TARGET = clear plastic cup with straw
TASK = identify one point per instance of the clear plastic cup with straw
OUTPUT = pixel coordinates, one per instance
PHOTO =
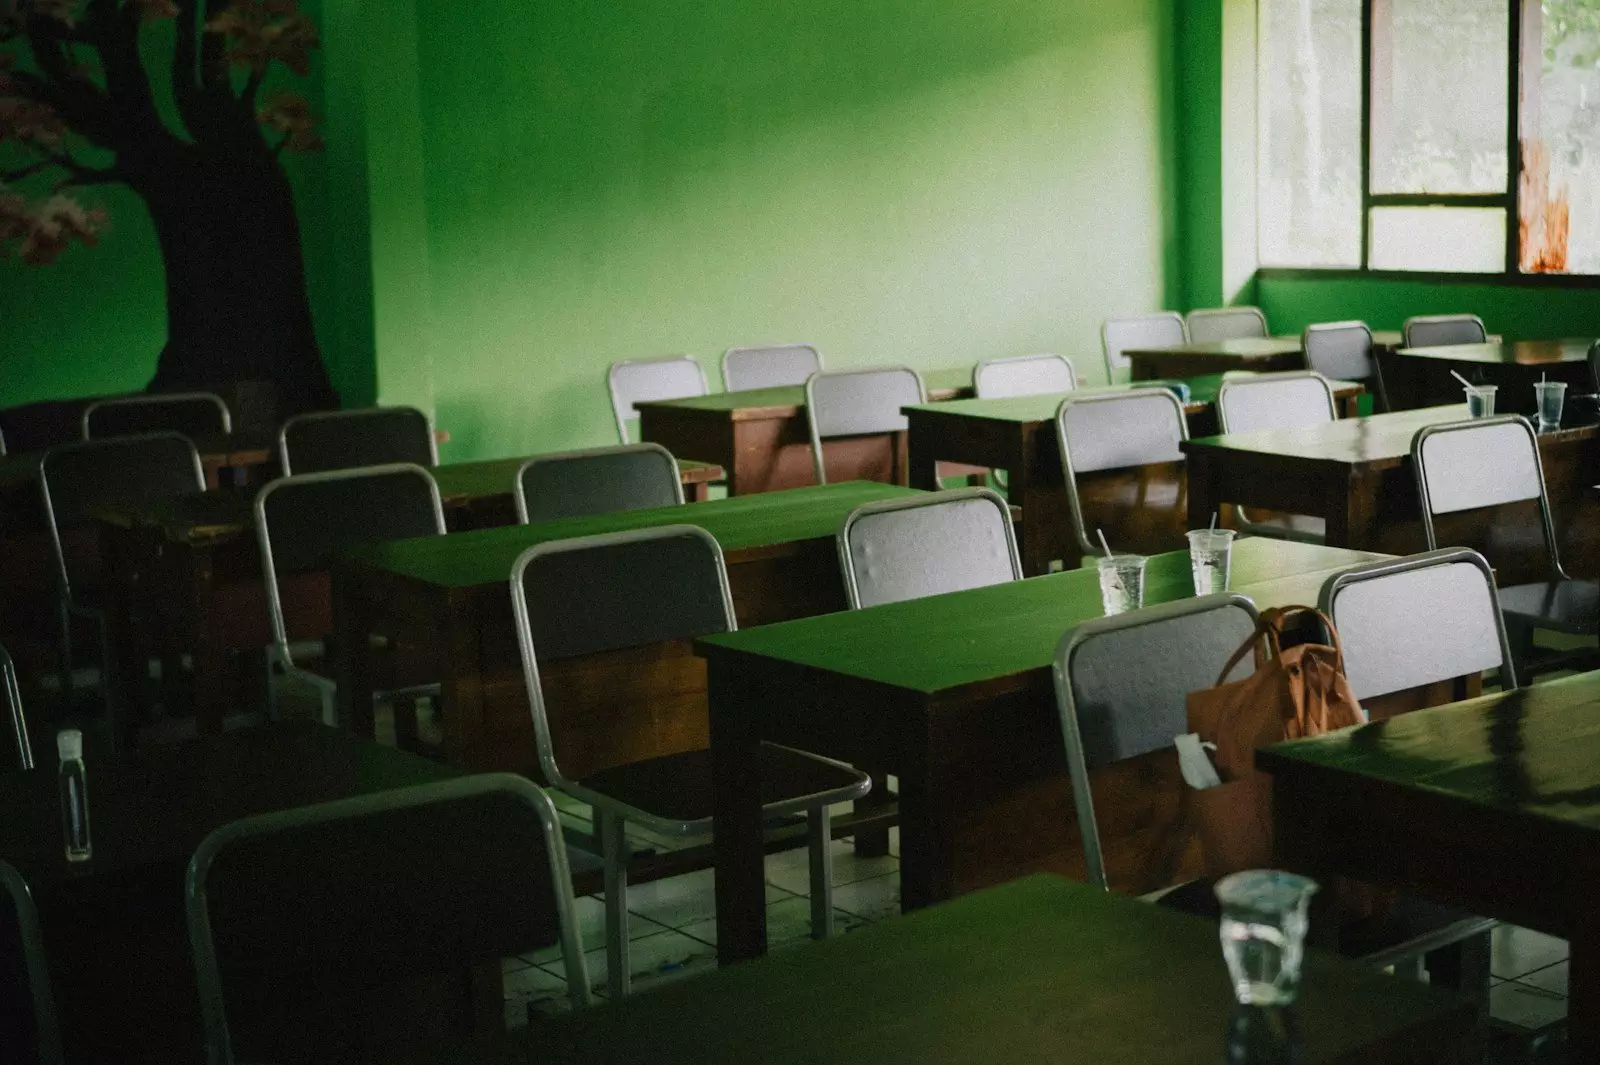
(1551, 397)
(1480, 398)
(1210, 558)
(1121, 580)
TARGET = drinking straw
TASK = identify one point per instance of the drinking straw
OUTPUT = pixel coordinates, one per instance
(1103, 545)
(1213, 521)
(1467, 384)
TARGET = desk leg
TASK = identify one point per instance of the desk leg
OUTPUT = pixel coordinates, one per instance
(1351, 515)
(1583, 986)
(923, 463)
(736, 767)
(1204, 490)
(1044, 533)
(352, 619)
(927, 839)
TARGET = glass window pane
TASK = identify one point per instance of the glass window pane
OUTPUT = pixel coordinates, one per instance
(1458, 240)
(1560, 193)
(1310, 133)
(1439, 95)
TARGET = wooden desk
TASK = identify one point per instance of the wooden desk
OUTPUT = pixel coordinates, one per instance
(1421, 376)
(1040, 970)
(953, 694)
(1357, 474)
(445, 602)
(1491, 804)
(760, 436)
(118, 945)
(184, 576)
(1019, 436)
(1261, 354)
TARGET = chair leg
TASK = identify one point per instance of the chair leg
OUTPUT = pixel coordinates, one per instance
(64, 653)
(405, 724)
(330, 706)
(271, 693)
(1409, 969)
(819, 839)
(1462, 966)
(614, 843)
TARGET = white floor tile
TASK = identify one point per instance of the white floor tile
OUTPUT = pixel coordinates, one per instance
(788, 921)
(1525, 1007)
(656, 960)
(791, 870)
(870, 900)
(1519, 951)
(683, 900)
(591, 914)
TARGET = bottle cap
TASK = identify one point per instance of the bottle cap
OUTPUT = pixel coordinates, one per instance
(69, 744)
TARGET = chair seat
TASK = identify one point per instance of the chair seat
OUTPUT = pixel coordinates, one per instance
(1303, 528)
(1408, 926)
(1565, 606)
(678, 787)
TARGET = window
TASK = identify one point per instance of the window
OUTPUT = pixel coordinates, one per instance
(1451, 136)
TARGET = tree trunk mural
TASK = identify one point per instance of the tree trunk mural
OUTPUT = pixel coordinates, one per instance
(237, 306)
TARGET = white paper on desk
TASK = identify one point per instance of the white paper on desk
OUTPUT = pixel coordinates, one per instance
(1198, 772)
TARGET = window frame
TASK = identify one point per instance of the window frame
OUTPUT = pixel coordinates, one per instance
(1508, 199)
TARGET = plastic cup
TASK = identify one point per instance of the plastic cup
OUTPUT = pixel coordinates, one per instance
(1480, 401)
(1210, 558)
(1552, 396)
(1263, 933)
(1121, 583)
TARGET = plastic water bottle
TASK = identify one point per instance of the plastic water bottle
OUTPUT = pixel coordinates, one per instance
(74, 796)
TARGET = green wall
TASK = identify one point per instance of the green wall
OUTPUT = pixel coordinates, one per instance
(95, 322)
(918, 181)
(1517, 312)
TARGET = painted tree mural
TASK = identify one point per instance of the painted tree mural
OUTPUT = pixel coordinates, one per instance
(79, 107)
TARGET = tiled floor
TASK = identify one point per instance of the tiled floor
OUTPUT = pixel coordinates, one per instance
(672, 927)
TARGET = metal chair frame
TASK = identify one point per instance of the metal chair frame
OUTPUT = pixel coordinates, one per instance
(47, 1029)
(1205, 313)
(1380, 392)
(349, 415)
(847, 557)
(1067, 704)
(19, 720)
(1327, 599)
(817, 458)
(1547, 522)
(154, 399)
(593, 452)
(208, 973)
(281, 653)
(1442, 319)
(66, 607)
(622, 409)
(734, 356)
(1240, 384)
(1013, 360)
(1526, 622)
(613, 815)
(1119, 361)
(1074, 501)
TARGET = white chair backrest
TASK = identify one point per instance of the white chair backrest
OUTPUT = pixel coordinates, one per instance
(1473, 464)
(603, 480)
(1419, 620)
(1275, 401)
(775, 366)
(1122, 686)
(941, 542)
(1023, 375)
(648, 380)
(1339, 350)
(857, 402)
(1118, 335)
(1113, 430)
(1226, 323)
(1437, 330)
